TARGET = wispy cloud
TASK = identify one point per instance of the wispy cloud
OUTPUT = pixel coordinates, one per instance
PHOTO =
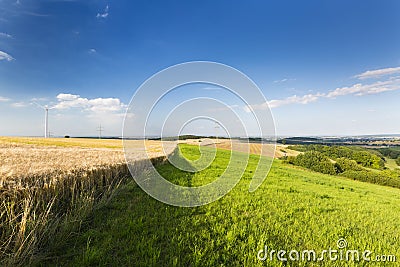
(5, 35)
(39, 99)
(66, 101)
(212, 88)
(19, 105)
(225, 108)
(92, 51)
(358, 89)
(5, 56)
(4, 99)
(366, 89)
(378, 73)
(305, 99)
(35, 14)
(104, 14)
(284, 80)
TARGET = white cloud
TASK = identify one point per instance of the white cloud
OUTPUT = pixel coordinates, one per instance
(358, 89)
(19, 105)
(4, 99)
(305, 99)
(105, 105)
(225, 108)
(5, 56)
(212, 88)
(97, 105)
(104, 14)
(281, 81)
(378, 73)
(92, 51)
(39, 99)
(5, 35)
(284, 80)
(67, 97)
(366, 89)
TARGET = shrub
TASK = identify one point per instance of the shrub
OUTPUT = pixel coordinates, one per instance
(387, 177)
(360, 155)
(344, 164)
(315, 161)
(299, 148)
(390, 152)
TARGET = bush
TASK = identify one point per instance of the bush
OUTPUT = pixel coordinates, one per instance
(398, 161)
(387, 177)
(299, 148)
(344, 164)
(360, 155)
(315, 161)
(390, 152)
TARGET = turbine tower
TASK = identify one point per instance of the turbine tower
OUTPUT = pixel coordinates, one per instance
(46, 109)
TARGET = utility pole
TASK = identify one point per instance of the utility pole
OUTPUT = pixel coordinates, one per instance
(46, 122)
(216, 131)
(100, 129)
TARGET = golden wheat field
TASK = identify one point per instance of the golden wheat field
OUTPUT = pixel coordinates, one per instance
(47, 185)
(32, 156)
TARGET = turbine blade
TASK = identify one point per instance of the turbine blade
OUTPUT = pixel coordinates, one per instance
(40, 106)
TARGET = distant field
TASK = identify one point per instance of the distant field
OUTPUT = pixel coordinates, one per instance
(268, 150)
(64, 142)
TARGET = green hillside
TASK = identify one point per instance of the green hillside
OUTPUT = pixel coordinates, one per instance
(294, 209)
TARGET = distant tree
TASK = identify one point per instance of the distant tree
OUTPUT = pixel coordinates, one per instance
(360, 155)
(344, 164)
(315, 161)
(390, 152)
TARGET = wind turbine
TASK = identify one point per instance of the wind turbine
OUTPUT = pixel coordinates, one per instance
(46, 118)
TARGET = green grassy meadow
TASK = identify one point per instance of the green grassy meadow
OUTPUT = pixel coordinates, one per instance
(294, 209)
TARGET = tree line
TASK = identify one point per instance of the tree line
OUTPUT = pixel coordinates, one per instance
(393, 153)
(361, 156)
(340, 161)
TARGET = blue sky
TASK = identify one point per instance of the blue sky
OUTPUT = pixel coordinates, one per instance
(326, 67)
